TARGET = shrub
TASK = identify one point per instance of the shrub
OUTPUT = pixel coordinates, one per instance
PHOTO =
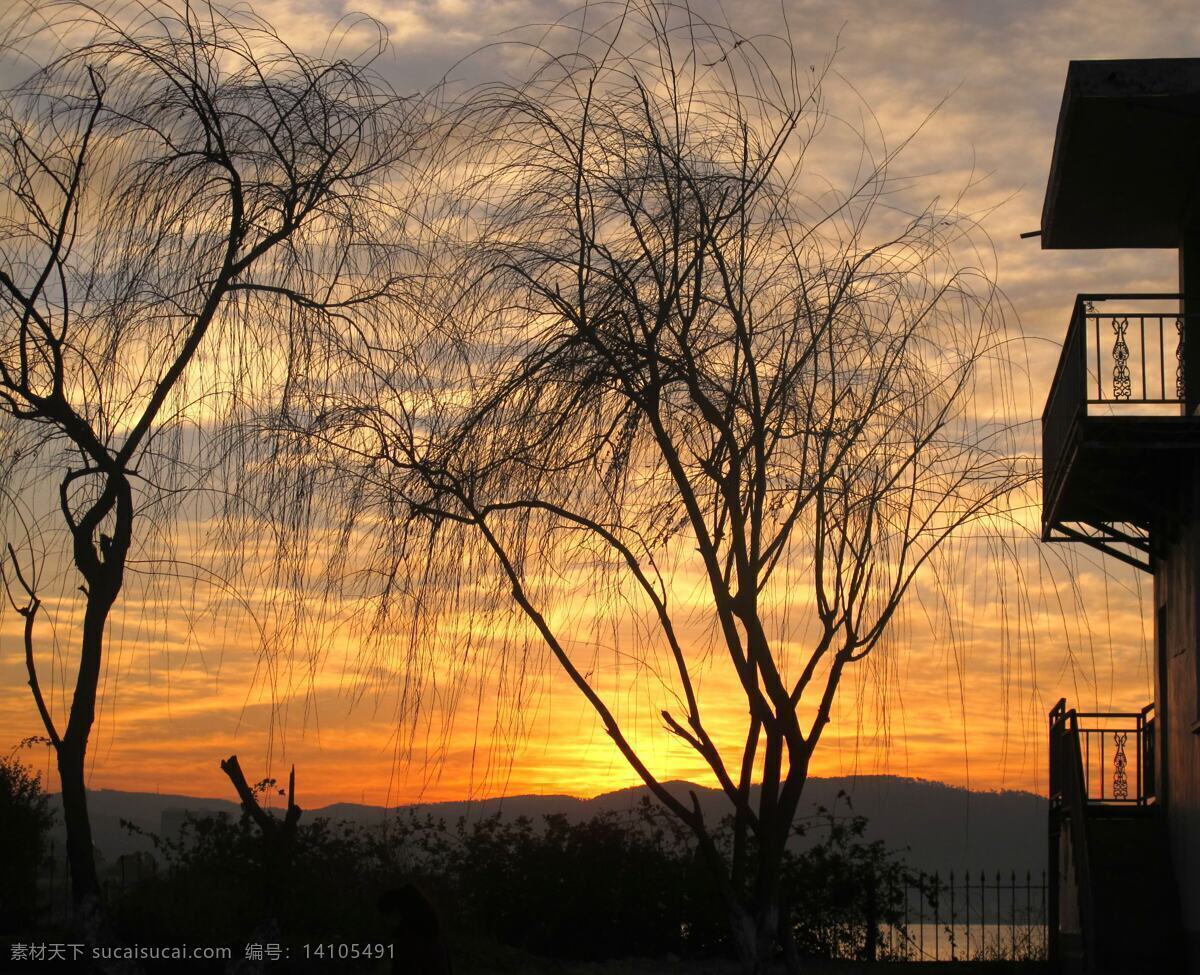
(25, 817)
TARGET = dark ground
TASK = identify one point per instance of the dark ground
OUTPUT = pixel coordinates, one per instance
(507, 962)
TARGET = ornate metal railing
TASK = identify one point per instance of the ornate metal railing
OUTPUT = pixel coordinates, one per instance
(1112, 752)
(1097, 759)
(1133, 357)
(1115, 361)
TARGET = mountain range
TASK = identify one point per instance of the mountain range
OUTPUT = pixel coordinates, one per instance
(932, 825)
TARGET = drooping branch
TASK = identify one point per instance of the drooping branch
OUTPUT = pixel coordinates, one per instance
(29, 613)
(180, 241)
(611, 726)
(683, 390)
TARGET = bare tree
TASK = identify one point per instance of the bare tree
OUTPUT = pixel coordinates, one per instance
(184, 201)
(278, 837)
(664, 359)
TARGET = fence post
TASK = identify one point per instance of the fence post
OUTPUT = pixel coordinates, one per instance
(1047, 934)
(872, 945)
(1012, 917)
(1029, 913)
(968, 898)
(50, 905)
(937, 919)
(921, 914)
(996, 888)
(953, 919)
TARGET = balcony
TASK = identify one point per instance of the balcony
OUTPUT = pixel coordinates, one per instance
(1114, 429)
(1107, 758)
(1106, 841)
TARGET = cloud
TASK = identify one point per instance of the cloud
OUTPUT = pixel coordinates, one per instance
(982, 82)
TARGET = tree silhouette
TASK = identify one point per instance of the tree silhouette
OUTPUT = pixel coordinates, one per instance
(25, 818)
(185, 199)
(653, 356)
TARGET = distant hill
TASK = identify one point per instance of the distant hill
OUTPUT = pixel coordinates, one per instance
(940, 827)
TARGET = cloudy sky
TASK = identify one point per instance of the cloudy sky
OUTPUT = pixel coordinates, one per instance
(965, 707)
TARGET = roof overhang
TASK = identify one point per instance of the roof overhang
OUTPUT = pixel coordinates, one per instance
(1126, 155)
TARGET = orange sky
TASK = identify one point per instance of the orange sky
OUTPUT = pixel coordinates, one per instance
(962, 704)
(957, 700)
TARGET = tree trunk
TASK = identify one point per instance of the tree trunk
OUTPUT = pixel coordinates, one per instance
(278, 839)
(756, 936)
(103, 567)
(104, 575)
(85, 883)
(72, 750)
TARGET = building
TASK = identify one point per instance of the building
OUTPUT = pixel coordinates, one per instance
(1121, 473)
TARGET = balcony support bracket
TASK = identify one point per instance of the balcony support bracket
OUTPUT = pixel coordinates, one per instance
(1134, 546)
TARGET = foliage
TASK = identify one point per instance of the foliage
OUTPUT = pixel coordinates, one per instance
(212, 886)
(185, 201)
(612, 886)
(25, 816)
(596, 889)
(673, 398)
(843, 889)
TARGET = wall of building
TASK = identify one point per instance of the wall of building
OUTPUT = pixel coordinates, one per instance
(1070, 928)
(1177, 702)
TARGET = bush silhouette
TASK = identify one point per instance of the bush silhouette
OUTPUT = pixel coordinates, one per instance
(25, 817)
(615, 885)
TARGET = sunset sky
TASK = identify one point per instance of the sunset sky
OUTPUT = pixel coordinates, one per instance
(960, 695)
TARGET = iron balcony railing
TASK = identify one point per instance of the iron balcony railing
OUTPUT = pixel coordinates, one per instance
(1120, 358)
(1111, 756)
(1090, 766)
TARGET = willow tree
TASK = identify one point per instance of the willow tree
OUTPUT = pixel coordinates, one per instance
(656, 357)
(184, 200)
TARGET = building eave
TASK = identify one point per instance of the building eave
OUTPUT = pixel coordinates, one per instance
(1126, 154)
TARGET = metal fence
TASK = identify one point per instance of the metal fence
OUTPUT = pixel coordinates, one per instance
(1000, 916)
(55, 905)
(975, 917)
(982, 916)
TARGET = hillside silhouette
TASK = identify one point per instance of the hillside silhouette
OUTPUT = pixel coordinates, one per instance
(938, 827)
